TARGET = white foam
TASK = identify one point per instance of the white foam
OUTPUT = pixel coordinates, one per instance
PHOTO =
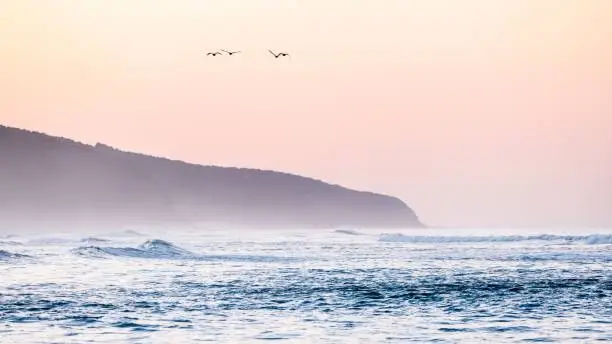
(598, 239)
(594, 239)
(163, 248)
(150, 249)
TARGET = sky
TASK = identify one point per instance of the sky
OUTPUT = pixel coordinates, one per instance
(476, 113)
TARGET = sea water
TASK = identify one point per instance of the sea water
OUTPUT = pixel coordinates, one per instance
(312, 286)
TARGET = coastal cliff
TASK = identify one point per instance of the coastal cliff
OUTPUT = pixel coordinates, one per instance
(47, 180)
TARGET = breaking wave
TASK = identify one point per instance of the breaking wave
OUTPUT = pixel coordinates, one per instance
(347, 231)
(163, 248)
(160, 249)
(150, 249)
(10, 243)
(594, 239)
(193, 286)
(6, 255)
(94, 240)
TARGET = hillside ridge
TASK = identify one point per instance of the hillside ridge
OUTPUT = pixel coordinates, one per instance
(66, 182)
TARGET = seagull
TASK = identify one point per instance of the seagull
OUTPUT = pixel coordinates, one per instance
(277, 55)
(231, 52)
(214, 53)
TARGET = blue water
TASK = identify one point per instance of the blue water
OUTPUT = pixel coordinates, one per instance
(318, 286)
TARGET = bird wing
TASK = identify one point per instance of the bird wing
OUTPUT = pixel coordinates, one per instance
(226, 51)
(271, 52)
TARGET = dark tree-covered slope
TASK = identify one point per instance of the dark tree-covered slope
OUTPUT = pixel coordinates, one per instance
(49, 180)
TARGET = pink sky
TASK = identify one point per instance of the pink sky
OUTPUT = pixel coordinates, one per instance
(475, 112)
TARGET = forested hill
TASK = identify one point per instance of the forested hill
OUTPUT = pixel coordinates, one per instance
(47, 180)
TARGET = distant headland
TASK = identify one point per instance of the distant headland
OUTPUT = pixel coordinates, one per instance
(53, 181)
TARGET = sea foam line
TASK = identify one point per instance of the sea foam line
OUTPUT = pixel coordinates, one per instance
(593, 239)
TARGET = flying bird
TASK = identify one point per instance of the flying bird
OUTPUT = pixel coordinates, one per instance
(215, 53)
(231, 52)
(277, 55)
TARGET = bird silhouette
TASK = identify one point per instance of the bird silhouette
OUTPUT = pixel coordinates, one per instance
(231, 52)
(215, 53)
(277, 55)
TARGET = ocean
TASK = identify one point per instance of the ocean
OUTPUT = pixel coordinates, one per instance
(185, 285)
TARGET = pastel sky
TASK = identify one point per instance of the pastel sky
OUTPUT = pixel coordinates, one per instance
(475, 112)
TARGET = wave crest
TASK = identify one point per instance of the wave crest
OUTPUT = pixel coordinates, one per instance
(6, 255)
(150, 249)
(347, 231)
(10, 243)
(93, 240)
(163, 248)
(593, 239)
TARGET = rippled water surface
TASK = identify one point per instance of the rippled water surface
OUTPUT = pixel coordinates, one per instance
(318, 286)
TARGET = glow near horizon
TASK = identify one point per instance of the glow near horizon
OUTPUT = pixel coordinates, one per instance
(475, 112)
